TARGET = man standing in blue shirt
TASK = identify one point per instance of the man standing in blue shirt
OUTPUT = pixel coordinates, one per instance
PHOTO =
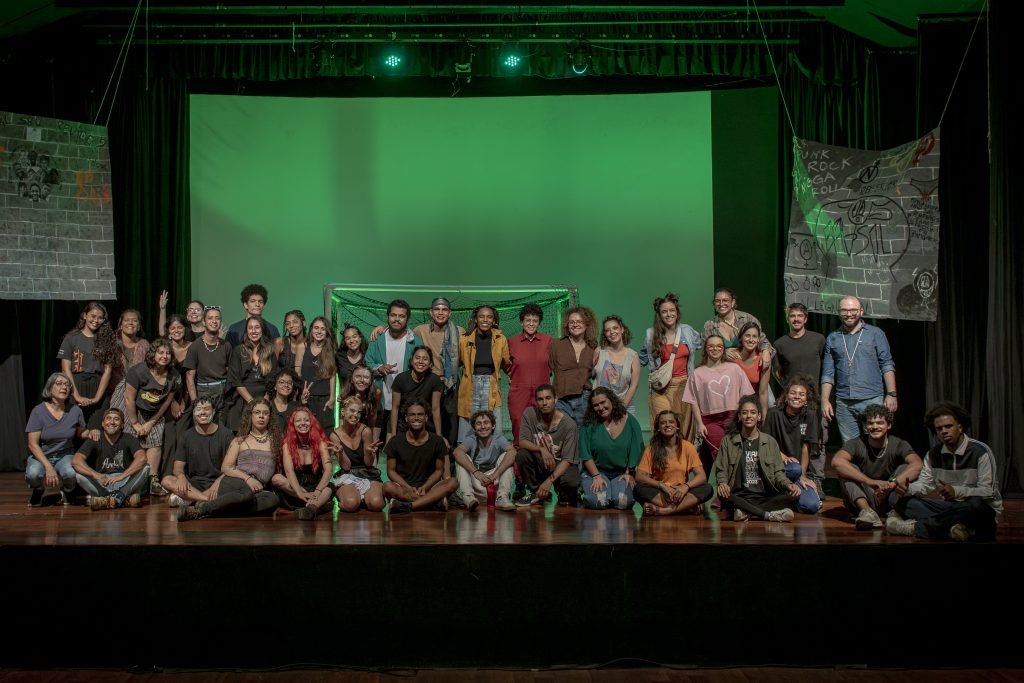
(858, 363)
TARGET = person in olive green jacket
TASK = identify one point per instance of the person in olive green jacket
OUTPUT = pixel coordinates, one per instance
(751, 477)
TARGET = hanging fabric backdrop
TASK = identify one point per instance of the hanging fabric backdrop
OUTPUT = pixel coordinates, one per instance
(865, 224)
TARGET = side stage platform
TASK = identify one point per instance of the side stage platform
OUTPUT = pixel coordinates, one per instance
(534, 588)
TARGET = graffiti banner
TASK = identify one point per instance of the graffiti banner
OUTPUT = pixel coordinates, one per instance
(866, 224)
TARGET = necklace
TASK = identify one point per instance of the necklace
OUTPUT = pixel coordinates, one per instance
(731, 324)
(260, 438)
(216, 344)
(878, 454)
(849, 358)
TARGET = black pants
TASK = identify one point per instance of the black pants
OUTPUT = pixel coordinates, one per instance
(532, 472)
(236, 499)
(936, 517)
(645, 493)
(759, 504)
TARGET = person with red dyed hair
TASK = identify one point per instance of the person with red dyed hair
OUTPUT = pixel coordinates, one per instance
(306, 463)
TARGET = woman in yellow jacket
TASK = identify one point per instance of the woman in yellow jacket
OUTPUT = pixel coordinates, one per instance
(483, 354)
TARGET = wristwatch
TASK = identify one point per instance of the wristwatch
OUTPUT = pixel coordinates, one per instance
(891, 393)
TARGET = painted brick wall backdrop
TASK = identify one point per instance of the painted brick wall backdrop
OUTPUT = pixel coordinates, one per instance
(56, 217)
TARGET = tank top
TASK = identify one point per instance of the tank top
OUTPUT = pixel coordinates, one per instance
(358, 466)
(753, 372)
(260, 464)
(617, 376)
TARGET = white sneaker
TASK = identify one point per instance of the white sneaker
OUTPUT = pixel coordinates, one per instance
(868, 519)
(739, 515)
(175, 501)
(961, 533)
(783, 515)
(503, 503)
(896, 526)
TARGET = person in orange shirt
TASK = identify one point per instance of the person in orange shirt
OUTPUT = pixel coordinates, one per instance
(670, 478)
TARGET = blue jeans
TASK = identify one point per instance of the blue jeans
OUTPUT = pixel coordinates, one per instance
(808, 503)
(124, 488)
(575, 407)
(848, 415)
(35, 473)
(481, 401)
(615, 494)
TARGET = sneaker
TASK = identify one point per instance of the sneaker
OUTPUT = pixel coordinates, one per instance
(155, 488)
(103, 503)
(306, 512)
(134, 501)
(399, 507)
(783, 515)
(739, 515)
(454, 501)
(176, 501)
(526, 500)
(503, 503)
(867, 519)
(187, 512)
(36, 499)
(961, 533)
(896, 526)
(472, 504)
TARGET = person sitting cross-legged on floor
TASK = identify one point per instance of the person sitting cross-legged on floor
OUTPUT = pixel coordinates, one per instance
(113, 470)
(875, 468)
(751, 478)
(200, 451)
(416, 469)
(485, 459)
(670, 478)
(957, 494)
(611, 444)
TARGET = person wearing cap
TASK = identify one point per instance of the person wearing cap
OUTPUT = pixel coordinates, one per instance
(441, 336)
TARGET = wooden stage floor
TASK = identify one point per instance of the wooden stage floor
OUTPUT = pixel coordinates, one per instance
(156, 525)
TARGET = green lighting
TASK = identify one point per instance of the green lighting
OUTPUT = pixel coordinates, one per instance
(393, 60)
(512, 61)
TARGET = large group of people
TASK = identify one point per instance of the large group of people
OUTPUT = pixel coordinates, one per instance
(240, 420)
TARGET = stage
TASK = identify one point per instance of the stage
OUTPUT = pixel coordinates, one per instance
(539, 587)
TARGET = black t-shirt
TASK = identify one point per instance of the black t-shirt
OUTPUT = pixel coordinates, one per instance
(210, 366)
(80, 350)
(311, 373)
(110, 458)
(242, 372)
(203, 455)
(415, 464)
(345, 366)
(878, 463)
(150, 394)
(800, 356)
(483, 361)
(412, 390)
(793, 432)
(282, 417)
(751, 470)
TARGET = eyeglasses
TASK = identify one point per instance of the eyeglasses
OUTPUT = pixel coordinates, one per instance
(194, 309)
(61, 383)
(212, 308)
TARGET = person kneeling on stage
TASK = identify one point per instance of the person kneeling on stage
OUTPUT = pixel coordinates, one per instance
(357, 483)
(875, 468)
(548, 456)
(416, 466)
(670, 478)
(306, 462)
(957, 494)
(485, 459)
(248, 467)
(751, 478)
(197, 460)
(113, 470)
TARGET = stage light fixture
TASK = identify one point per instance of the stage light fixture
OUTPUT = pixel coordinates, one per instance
(580, 57)
(393, 61)
(511, 57)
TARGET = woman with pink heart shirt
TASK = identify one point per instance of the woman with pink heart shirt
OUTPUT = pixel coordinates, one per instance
(714, 391)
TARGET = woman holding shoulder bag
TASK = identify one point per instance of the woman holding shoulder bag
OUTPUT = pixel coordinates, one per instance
(670, 347)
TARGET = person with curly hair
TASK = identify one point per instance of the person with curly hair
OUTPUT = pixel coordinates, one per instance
(132, 347)
(667, 336)
(254, 298)
(303, 483)
(149, 391)
(617, 366)
(670, 479)
(611, 443)
(282, 388)
(87, 355)
(483, 355)
(352, 352)
(248, 467)
(112, 470)
(528, 351)
(571, 359)
(795, 425)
